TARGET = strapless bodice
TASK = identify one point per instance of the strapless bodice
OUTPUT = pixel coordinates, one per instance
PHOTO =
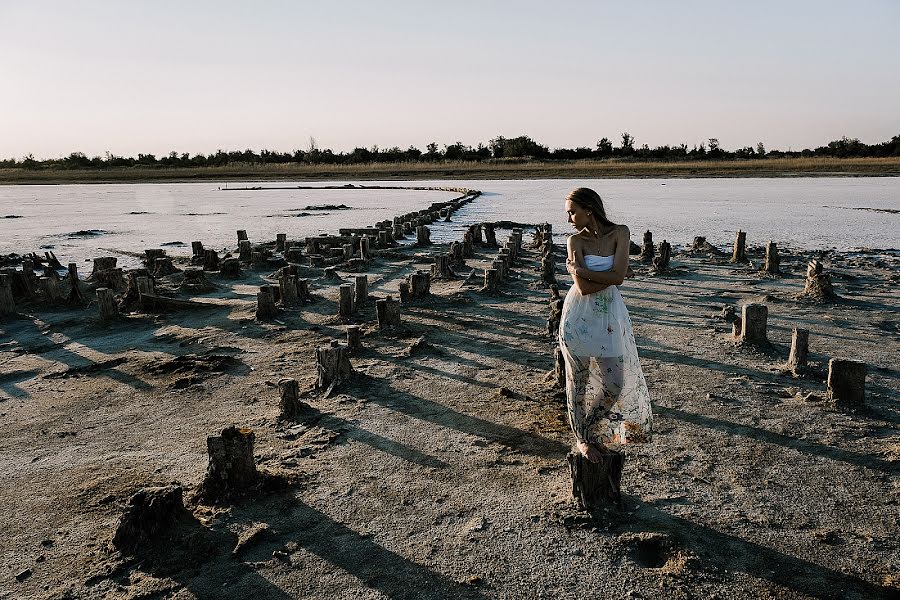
(595, 262)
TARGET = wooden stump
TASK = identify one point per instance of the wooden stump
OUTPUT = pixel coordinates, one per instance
(294, 255)
(456, 254)
(280, 240)
(398, 231)
(245, 251)
(364, 252)
(660, 263)
(330, 274)
(361, 296)
(772, 261)
(106, 300)
(197, 248)
(333, 365)
(210, 260)
(818, 282)
(753, 323)
(265, 303)
(162, 266)
(407, 228)
(75, 295)
(231, 471)
(799, 348)
(506, 257)
(490, 236)
(290, 295)
(290, 404)
(423, 236)
(259, 260)
(419, 284)
(52, 288)
(101, 265)
(383, 239)
(500, 267)
(7, 303)
(345, 304)
(441, 267)
(388, 312)
(242, 235)
(195, 281)
(475, 230)
(354, 339)
(597, 485)
(556, 306)
(150, 256)
(468, 243)
(548, 270)
(230, 268)
(559, 369)
(150, 514)
(740, 242)
(404, 292)
(847, 383)
(303, 290)
(491, 281)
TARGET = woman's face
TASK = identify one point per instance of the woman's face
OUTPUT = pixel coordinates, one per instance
(577, 215)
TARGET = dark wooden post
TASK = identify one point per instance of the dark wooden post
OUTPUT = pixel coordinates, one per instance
(818, 282)
(197, 248)
(242, 235)
(559, 370)
(660, 263)
(423, 236)
(280, 239)
(491, 281)
(303, 290)
(799, 348)
(648, 251)
(847, 382)
(288, 284)
(265, 303)
(75, 295)
(290, 404)
(230, 268)
(345, 304)
(772, 261)
(7, 303)
(597, 485)
(101, 265)
(490, 235)
(106, 299)
(245, 252)
(232, 469)
(364, 252)
(258, 260)
(740, 242)
(210, 260)
(753, 323)
(548, 270)
(441, 267)
(388, 312)
(354, 339)
(398, 231)
(420, 284)
(362, 290)
(333, 364)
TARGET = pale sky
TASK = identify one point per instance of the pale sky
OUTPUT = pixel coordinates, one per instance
(195, 76)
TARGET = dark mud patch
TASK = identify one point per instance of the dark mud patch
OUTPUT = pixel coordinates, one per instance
(194, 364)
(200, 214)
(322, 207)
(86, 233)
(91, 369)
(13, 217)
(173, 244)
(139, 212)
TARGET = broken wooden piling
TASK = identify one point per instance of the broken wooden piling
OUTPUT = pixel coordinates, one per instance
(265, 303)
(739, 254)
(333, 365)
(799, 349)
(106, 301)
(847, 383)
(597, 486)
(231, 471)
(754, 319)
(388, 312)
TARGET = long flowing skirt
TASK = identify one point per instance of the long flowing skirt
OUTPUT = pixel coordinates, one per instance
(607, 396)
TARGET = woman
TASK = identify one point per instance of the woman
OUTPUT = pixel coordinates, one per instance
(607, 397)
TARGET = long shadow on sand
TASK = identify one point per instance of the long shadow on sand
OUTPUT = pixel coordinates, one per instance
(769, 437)
(379, 392)
(729, 553)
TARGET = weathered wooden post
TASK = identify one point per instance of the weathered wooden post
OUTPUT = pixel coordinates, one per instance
(490, 235)
(151, 514)
(548, 270)
(556, 306)
(210, 260)
(290, 404)
(345, 303)
(407, 227)
(162, 266)
(230, 268)
(740, 242)
(818, 282)
(499, 266)
(559, 370)
(847, 383)
(456, 254)
(101, 265)
(196, 249)
(288, 284)
(150, 256)
(597, 485)
(753, 323)
(772, 261)
(51, 287)
(259, 260)
(420, 284)
(441, 267)
(7, 303)
(423, 235)
(265, 303)
(398, 231)
(648, 250)
(383, 239)
(75, 295)
(316, 260)
(404, 292)
(364, 248)
(799, 348)
(660, 263)
(107, 302)
(491, 281)
(388, 312)
(468, 249)
(333, 364)
(195, 280)
(245, 252)
(280, 239)
(475, 230)
(231, 471)
(242, 235)
(354, 338)
(294, 254)
(361, 296)
(347, 250)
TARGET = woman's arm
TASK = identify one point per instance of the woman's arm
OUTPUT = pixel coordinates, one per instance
(620, 262)
(576, 267)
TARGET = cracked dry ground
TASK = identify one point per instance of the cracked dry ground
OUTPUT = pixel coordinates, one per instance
(439, 471)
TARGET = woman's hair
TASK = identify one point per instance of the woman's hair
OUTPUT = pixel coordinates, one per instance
(590, 200)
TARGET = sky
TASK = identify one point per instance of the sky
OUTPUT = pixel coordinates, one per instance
(197, 76)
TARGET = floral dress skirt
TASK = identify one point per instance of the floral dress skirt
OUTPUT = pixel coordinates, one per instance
(607, 396)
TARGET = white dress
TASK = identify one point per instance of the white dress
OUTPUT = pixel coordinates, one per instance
(607, 396)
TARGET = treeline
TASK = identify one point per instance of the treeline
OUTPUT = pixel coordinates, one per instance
(522, 147)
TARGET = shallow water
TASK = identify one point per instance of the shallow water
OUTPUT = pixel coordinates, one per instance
(79, 222)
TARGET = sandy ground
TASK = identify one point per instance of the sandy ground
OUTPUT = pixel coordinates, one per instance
(439, 471)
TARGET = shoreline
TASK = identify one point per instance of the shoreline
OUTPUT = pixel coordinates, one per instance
(526, 170)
